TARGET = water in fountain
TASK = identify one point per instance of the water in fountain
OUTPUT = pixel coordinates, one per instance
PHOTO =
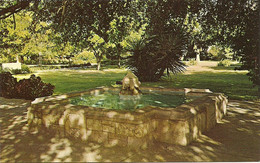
(130, 97)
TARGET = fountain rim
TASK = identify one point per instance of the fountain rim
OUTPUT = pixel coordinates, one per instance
(204, 111)
(181, 91)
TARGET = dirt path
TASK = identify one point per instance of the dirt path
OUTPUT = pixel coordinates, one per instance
(237, 138)
(210, 66)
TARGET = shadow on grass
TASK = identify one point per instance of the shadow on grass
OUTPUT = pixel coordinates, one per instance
(223, 68)
(231, 67)
(235, 85)
(235, 139)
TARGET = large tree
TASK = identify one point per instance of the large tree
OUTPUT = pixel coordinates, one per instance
(232, 23)
(86, 24)
(14, 36)
(24, 38)
(235, 23)
(164, 40)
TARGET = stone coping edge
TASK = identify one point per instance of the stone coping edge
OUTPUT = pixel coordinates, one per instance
(181, 112)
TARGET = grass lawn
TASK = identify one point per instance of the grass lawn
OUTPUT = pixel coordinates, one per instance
(78, 80)
(234, 84)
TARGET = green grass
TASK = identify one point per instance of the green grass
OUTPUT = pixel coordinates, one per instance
(233, 84)
(72, 81)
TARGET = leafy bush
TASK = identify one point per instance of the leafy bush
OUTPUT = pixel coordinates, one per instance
(78, 62)
(225, 63)
(191, 62)
(46, 67)
(28, 89)
(15, 71)
(33, 87)
(7, 85)
(25, 69)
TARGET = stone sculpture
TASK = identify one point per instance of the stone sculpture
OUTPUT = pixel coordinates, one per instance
(130, 85)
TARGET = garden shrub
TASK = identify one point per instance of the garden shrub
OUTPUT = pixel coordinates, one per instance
(192, 62)
(153, 56)
(78, 62)
(7, 85)
(25, 69)
(15, 71)
(28, 89)
(33, 87)
(225, 63)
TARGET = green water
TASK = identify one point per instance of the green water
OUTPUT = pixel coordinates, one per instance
(110, 100)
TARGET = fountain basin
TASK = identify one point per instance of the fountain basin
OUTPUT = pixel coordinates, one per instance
(136, 128)
(112, 99)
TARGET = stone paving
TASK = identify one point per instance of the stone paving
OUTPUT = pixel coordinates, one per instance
(236, 138)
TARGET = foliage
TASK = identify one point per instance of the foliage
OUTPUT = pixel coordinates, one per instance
(28, 89)
(14, 36)
(220, 53)
(153, 56)
(33, 87)
(25, 69)
(15, 71)
(25, 39)
(7, 85)
(228, 24)
(84, 57)
(225, 63)
(45, 67)
(97, 45)
(163, 41)
(40, 44)
(191, 62)
(234, 24)
(118, 32)
(86, 24)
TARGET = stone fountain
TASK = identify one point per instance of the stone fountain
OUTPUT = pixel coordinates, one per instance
(134, 128)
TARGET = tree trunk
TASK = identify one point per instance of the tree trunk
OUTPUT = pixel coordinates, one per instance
(98, 64)
(70, 63)
(198, 57)
(258, 91)
(119, 64)
(21, 59)
(119, 55)
(17, 59)
(40, 58)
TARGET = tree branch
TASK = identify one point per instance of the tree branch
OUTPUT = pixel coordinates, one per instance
(14, 21)
(5, 12)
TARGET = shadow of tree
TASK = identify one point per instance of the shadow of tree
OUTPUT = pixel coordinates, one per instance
(236, 138)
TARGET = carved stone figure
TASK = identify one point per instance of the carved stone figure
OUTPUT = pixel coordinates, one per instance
(130, 85)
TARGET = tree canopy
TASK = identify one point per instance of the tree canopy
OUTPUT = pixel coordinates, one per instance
(103, 26)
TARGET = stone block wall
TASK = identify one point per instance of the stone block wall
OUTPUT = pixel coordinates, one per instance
(180, 125)
(201, 115)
